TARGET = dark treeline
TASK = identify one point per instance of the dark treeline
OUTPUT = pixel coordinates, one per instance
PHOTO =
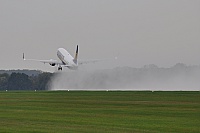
(21, 81)
(25, 71)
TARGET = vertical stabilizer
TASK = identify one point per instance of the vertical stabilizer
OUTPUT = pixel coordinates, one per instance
(76, 55)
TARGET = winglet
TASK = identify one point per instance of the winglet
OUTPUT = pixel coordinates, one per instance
(76, 55)
(23, 57)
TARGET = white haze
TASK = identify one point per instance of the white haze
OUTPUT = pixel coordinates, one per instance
(176, 78)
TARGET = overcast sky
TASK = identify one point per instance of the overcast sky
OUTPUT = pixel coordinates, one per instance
(139, 32)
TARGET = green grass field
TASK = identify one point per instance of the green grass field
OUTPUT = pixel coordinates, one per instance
(90, 111)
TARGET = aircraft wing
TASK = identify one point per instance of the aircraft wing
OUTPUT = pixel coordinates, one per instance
(81, 62)
(51, 61)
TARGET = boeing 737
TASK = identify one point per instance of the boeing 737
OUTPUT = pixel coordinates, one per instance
(66, 60)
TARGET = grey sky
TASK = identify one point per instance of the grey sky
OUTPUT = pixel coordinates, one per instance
(139, 32)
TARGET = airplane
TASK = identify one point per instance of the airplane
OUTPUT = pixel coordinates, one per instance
(66, 60)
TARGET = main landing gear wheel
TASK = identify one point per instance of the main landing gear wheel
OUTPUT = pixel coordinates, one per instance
(60, 68)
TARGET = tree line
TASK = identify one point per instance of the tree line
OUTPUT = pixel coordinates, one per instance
(21, 81)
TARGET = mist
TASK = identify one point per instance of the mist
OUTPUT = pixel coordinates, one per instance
(150, 77)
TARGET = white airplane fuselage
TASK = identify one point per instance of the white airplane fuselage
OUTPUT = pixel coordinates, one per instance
(67, 59)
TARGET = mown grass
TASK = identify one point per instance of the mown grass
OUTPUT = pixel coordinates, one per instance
(90, 111)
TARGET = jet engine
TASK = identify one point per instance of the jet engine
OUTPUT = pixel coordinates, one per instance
(52, 64)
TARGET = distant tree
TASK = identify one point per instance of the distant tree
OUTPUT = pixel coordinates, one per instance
(19, 81)
(4, 81)
(41, 81)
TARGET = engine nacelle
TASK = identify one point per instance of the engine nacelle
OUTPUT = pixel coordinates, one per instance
(52, 64)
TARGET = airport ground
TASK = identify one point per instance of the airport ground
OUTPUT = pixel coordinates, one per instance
(100, 111)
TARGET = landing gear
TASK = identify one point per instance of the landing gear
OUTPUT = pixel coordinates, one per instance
(60, 68)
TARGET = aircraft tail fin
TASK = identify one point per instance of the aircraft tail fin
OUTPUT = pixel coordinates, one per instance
(76, 55)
